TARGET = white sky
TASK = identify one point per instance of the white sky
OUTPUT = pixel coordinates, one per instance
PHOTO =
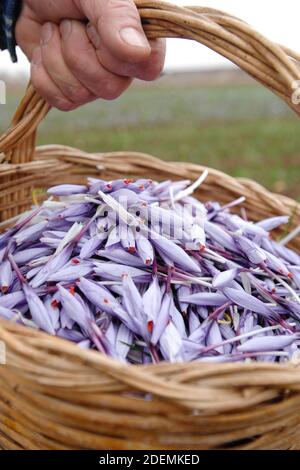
(276, 19)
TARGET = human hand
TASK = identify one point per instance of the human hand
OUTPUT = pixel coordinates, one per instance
(74, 62)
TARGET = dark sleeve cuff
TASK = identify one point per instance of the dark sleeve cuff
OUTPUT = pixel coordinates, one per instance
(9, 12)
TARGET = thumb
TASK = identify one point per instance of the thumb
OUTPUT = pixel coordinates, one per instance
(119, 26)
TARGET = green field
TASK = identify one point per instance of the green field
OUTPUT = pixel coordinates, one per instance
(242, 129)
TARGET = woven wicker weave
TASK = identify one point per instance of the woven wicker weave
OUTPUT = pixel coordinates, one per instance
(54, 395)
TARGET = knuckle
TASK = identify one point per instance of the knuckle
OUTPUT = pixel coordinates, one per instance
(152, 72)
(74, 61)
(111, 89)
(63, 105)
(76, 93)
(124, 8)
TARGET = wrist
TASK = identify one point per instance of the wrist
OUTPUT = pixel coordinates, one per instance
(9, 12)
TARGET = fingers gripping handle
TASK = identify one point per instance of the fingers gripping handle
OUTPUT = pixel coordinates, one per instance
(274, 66)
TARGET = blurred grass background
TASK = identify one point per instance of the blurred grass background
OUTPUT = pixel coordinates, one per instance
(231, 124)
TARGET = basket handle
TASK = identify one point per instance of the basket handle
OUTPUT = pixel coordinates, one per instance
(275, 66)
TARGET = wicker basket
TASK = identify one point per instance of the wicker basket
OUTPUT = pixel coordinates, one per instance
(54, 395)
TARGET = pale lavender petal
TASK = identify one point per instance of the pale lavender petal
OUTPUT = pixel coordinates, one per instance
(124, 341)
(171, 344)
(273, 222)
(92, 245)
(25, 256)
(152, 299)
(7, 314)
(71, 273)
(11, 300)
(250, 249)
(127, 238)
(225, 278)
(249, 302)
(220, 236)
(288, 255)
(268, 343)
(75, 210)
(178, 321)
(65, 320)
(52, 307)
(274, 263)
(39, 313)
(53, 265)
(145, 249)
(113, 238)
(67, 190)
(182, 292)
(175, 253)
(205, 299)
(194, 322)
(6, 276)
(120, 256)
(116, 272)
(214, 337)
(133, 303)
(162, 320)
(74, 308)
(71, 335)
(126, 197)
(103, 300)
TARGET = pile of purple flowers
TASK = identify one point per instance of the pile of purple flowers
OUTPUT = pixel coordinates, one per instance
(144, 272)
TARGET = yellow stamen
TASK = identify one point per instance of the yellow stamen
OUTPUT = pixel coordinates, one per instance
(227, 320)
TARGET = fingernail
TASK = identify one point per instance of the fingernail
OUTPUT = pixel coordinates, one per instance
(37, 57)
(47, 33)
(66, 28)
(133, 37)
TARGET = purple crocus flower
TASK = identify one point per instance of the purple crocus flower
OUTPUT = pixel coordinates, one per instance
(6, 276)
(72, 273)
(204, 299)
(145, 249)
(268, 343)
(220, 236)
(11, 300)
(174, 253)
(124, 341)
(74, 308)
(38, 311)
(249, 302)
(90, 246)
(120, 256)
(103, 300)
(25, 256)
(250, 249)
(53, 265)
(115, 272)
(225, 278)
(171, 344)
(7, 314)
(162, 320)
(67, 190)
(273, 222)
(31, 233)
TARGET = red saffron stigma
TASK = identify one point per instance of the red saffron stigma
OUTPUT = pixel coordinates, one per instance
(150, 326)
(72, 290)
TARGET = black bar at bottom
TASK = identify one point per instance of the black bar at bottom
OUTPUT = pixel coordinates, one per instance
(137, 459)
